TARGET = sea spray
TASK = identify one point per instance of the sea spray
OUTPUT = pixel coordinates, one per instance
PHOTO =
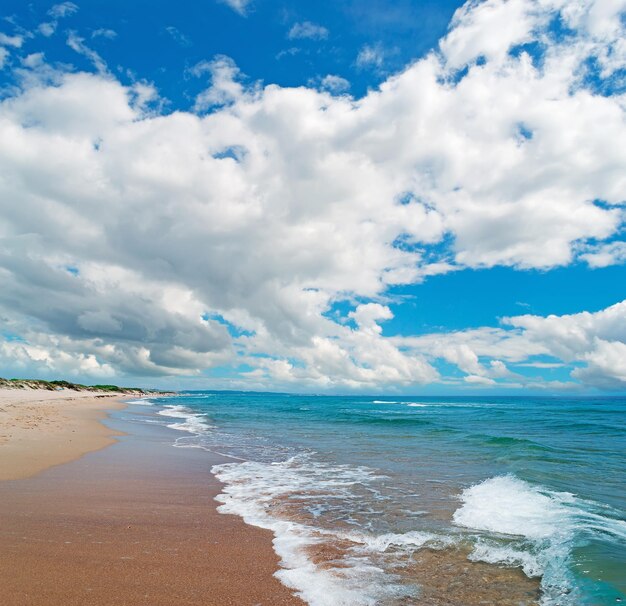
(541, 528)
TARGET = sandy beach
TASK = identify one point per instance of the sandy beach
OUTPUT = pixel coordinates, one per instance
(41, 428)
(135, 523)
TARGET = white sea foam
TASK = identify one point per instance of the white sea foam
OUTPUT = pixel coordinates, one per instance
(193, 422)
(358, 578)
(409, 540)
(433, 404)
(508, 505)
(496, 553)
(399, 402)
(438, 404)
(141, 402)
(533, 528)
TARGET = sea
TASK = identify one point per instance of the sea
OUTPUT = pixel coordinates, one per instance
(377, 500)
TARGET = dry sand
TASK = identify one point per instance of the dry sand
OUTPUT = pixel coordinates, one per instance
(40, 428)
(132, 524)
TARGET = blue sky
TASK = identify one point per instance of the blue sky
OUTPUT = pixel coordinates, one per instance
(159, 41)
(330, 196)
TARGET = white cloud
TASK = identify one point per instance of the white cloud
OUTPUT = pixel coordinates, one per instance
(47, 28)
(21, 358)
(34, 61)
(606, 365)
(334, 84)
(178, 36)
(225, 86)
(64, 9)
(368, 315)
(288, 52)
(597, 339)
(76, 43)
(102, 32)
(307, 30)
(478, 380)
(571, 337)
(542, 364)
(507, 23)
(270, 205)
(592, 344)
(4, 54)
(58, 11)
(239, 6)
(14, 41)
(370, 56)
(604, 255)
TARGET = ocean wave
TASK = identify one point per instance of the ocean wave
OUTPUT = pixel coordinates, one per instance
(535, 529)
(355, 574)
(193, 422)
(140, 402)
(508, 442)
(414, 539)
(391, 418)
(433, 404)
(405, 403)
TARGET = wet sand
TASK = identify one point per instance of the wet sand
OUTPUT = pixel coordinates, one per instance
(131, 524)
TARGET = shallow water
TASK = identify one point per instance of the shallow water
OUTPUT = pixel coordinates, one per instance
(425, 500)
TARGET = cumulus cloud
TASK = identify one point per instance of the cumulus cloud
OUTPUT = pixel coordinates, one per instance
(603, 255)
(307, 30)
(225, 85)
(508, 23)
(596, 339)
(591, 343)
(166, 244)
(606, 365)
(568, 337)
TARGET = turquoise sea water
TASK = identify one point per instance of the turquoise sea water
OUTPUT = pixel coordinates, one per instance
(372, 499)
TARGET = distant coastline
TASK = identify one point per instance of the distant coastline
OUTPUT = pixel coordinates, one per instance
(61, 384)
(47, 423)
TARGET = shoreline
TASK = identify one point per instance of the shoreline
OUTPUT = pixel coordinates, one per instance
(142, 510)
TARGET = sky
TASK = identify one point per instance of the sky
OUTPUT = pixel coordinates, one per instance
(418, 197)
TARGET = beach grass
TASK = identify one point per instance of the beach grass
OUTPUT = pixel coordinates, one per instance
(58, 385)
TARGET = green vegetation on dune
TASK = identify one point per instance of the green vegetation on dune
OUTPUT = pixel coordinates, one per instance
(59, 384)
